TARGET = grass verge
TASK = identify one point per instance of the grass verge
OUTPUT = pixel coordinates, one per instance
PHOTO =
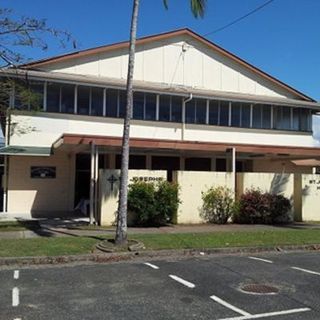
(82, 245)
(18, 225)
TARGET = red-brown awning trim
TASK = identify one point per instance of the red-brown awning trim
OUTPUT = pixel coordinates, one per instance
(161, 144)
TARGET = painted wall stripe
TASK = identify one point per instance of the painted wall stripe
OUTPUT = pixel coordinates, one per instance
(268, 314)
(15, 297)
(16, 274)
(182, 281)
(151, 265)
(230, 306)
(306, 270)
(259, 259)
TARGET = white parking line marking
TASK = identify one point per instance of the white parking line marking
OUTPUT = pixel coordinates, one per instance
(16, 274)
(306, 270)
(230, 306)
(268, 314)
(151, 265)
(15, 297)
(259, 259)
(17, 319)
(182, 281)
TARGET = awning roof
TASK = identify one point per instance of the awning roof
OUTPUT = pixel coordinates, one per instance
(179, 145)
(25, 151)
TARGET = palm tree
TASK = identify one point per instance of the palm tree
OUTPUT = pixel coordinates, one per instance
(197, 9)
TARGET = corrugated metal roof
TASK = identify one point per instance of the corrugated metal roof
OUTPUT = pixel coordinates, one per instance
(25, 151)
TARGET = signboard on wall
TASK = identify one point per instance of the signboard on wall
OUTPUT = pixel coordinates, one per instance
(42, 172)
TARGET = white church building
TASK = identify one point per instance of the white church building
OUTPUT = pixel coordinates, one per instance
(197, 107)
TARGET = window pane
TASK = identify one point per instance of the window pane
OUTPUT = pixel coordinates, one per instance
(201, 110)
(176, 109)
(122, 103)
(164, 108)
(53, 97)
(224, 113)
(67, 98)
(151, 104)
(257, 116)
(96, 101)
(111, 102)
(83, 100)
(138, 105)
(282, 117)
(235, 114)
(190, 111)
(295, 119)
(304, 120)
(214, 112)
(245, 115)
(28, 95)
(266, 117)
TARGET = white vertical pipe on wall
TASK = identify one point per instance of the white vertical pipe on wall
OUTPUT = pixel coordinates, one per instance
(96, 174)
(92, 174)
(234, 171)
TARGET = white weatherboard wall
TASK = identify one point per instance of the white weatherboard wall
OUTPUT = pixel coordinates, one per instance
(44, 129)
(192, 183)
(109, 189)
(181, 60)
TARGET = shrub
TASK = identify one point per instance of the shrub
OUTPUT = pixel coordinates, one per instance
(167, 201)
(218, 205)
(153, 204)
(141, 202)
(256, 207)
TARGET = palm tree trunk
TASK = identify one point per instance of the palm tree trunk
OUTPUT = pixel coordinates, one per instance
(121, 232)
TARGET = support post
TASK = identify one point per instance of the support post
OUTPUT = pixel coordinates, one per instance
(96, 174)
(234, 170)
(92, 174)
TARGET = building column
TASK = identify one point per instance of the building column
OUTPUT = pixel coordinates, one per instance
(92, 183)
(234, 173)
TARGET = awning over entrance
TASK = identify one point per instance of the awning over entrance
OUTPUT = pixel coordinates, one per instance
(25, 151)
(255, 151)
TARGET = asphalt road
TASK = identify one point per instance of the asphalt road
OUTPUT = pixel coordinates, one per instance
(198, 288)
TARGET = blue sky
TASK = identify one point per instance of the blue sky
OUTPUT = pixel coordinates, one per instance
(282, 39)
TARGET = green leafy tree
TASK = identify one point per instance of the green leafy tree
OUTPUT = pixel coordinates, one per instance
(197, 9)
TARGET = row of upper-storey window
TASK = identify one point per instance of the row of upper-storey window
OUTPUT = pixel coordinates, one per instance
(97, 101)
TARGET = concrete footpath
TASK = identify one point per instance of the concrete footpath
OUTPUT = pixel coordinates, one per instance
(70, 228)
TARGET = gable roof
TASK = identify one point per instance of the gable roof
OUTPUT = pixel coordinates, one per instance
(162, 36)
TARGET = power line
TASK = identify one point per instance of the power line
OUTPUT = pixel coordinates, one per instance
(239, 19)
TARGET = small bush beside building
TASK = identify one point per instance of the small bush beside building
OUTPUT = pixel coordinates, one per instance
(153, 205)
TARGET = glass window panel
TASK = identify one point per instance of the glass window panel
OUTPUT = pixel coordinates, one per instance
(111, 103)
(304, 120)
(97, 101)
(295, 119)
(235, 114)
(53, 97)
(214, 112)
(151, 104)
(138, 105)
(201, 110)
(245, 115)
(266, 117)
(28, 95)
(286, 118)
(67, 98)
(176, 109)
(122, 103)
(190, 111)
(83, 100)
(164, 108)
(257, 116)
(224, 113)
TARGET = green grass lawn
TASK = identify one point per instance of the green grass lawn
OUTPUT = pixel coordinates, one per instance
(82, 245)
(18, 225)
